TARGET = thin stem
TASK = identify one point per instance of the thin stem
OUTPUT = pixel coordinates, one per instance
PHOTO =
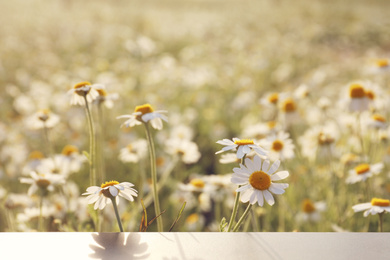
(100, 144)
(359, 132)
(237, 226)
(40, 223)
(92, 173)
(47, 140)
(380, 227)
(236, 202)
(117, 214)
(154, 177)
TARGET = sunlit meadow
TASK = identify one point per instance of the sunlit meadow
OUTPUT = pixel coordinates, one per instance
(197, 115)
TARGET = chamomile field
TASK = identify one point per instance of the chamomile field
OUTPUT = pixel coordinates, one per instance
(195, 115)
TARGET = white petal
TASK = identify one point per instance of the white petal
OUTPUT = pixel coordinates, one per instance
(114, 191)
(253, 198)
(265, 166)
(260, 198)
(268, 197)
(246, 149)
(243, 188)
(156, 123)
(229, 147)
(279, 175)
(245, 196)
(225, 142)
(239, 181)
(275, 190)
(260, 150)
(251, 166)
(280, 185)
(126, 196)
(119, 186)
(240, 152)
(274, 167)
(257, 162)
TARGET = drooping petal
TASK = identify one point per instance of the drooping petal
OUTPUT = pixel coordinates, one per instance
(246, 149)
(240, 152)
(113, 191)
(238, 180)
(253, 198)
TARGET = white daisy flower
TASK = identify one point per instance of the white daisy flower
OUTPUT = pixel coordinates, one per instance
(311, 211)
(134, 152)
(41, 119)
(380, 66)
(257, 181)
(83, 90)
(377, 121)
(289, 112)
(243, 146)
(375, 206)
(42, 182)
(186, 149)
(363, 171)
(102, 195)
(358, 100)
(144, 114)
(106, 98)
(280, 146)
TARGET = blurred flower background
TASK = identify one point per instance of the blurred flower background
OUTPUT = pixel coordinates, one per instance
(306, 80)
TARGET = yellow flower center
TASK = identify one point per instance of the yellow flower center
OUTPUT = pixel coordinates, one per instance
(308, 206)
(69, 150)
(108, 183)
(370, 94)
(356, 91)
(102, 92)
(362, 168)
(80, 85)
(379, 118)
(260, 180)
(193, 218)
(198, 183)
(43, 183)
(277, 145)
(289, 105)
(273, 98)
(43, 114)
(323, 139)
(271, 124)
(144, 109)
(382, 63)
(380, 202)
(36, 155)
(130, 148)
(243, 142)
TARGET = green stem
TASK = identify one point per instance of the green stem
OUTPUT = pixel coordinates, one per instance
(380, 227)
(236, 202)
(154, 177)
(101, 145)
(92, 173)
(40, 223)
(237, 226)
(117, 214)
(49, 147)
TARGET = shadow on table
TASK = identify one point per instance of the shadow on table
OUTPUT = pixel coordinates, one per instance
(112, 246)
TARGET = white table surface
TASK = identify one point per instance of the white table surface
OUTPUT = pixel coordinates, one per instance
(193, 246)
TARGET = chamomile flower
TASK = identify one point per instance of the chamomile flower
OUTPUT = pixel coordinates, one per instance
(186, 149)
(42, 118)
(84, 90)
(311, 211)
(243, 146)
(102, 195)
(380, 65)
(363, 171)
(106, 98)
(289, 111)
(257, 180)
(42, 183)
(134, 152)
(280, 146)
(374, 207)
(377, 121)
(358, 100)
(144, 114)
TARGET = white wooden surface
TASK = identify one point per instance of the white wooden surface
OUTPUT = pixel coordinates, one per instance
(191, 246)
